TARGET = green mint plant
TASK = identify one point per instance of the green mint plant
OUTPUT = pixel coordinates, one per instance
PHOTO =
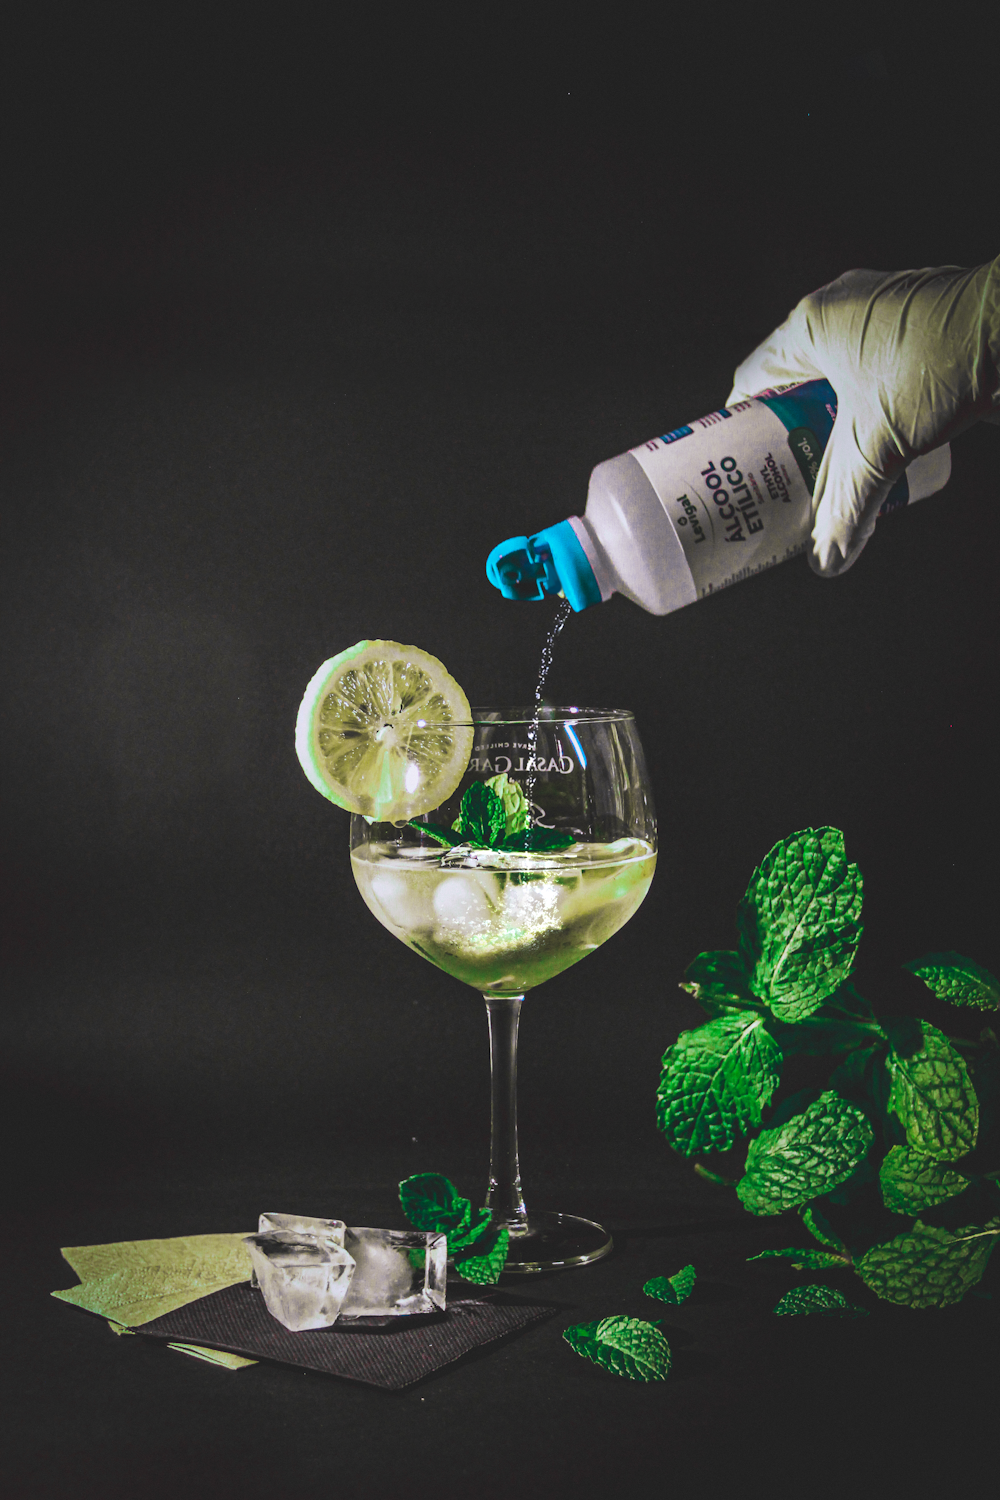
(433, 1204)
(907, 1124)
(494, 815)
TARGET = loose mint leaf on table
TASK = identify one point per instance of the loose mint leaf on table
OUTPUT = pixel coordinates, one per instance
(798, 922)
(483, 1267)
(715, 1081)
(805, 1157)
(719, 982)
(952, 976)
(912, 1182)
(932, 1094)
(929, 1267)
(818, 1299)
(673, 1289)
(481, 815)
(625, 1346)
(806, 1260)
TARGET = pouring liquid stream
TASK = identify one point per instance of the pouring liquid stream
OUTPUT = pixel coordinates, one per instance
(562, 615)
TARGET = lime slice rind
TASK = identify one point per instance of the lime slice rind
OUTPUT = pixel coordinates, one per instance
(383, 730)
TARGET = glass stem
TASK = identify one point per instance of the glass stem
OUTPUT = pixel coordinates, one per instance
(504, 1199)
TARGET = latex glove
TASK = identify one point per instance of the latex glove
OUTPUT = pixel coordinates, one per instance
(913, 357)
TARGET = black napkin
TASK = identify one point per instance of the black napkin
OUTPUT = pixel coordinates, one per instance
(392, 1357)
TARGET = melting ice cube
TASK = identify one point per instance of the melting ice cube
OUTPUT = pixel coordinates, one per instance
(396, 1272)
(303, 1279)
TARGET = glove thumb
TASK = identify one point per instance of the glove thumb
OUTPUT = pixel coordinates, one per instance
(848, 495)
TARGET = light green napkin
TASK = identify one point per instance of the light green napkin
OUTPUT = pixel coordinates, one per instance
(134, 1281)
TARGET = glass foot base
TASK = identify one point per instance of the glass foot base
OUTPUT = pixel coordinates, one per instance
(551, 1242)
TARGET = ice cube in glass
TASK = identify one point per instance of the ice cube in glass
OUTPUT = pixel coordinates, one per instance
(397, 1272)
(303, 1280)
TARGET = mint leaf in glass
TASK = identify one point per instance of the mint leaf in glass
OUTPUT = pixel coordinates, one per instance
(932, 1094)
(952, 976)
(483, 1266)
(929, 1267)
(715, 1081)
(673, 1289)
(535, 841)
(513, 801)
(805, 1157)
(719, 982)
(798, 922)
(481, 818)
(818, 1299)
(806, 1260)
(435, 831)
(624, 1346)
(912, 1181)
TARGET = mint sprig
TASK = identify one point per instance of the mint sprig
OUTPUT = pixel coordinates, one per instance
(493, 814)
(433, 1204)
(908, 1122)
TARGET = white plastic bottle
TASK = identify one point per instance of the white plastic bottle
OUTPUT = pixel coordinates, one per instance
(697, 509)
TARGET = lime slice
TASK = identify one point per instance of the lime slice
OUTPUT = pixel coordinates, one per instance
(384, 730)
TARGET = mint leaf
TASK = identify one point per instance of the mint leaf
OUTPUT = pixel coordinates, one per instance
(625, 1346)
(481, 817)
(433, 1204)
(821, 1228)
(719, 982)
(798, 922)
(952, 976)
(932, 1095)
(818, 1299)
(673, 1289)
(912, 1182)
(805, 1157)
(485, 1266)
(805, 1260)
(434, 831)
(715, 1081)
(928, 1267)
(512, 800)
(535, 841)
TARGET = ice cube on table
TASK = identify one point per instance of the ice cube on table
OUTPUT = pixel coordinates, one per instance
(299, 1224)
(303, 1280)
(397, 1271)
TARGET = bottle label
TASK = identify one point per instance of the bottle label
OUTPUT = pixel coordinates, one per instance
(737, 484)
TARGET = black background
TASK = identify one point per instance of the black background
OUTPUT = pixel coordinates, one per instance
(301, 317)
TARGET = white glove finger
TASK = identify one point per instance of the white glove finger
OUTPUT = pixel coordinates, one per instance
(848, 496)
(782, 359)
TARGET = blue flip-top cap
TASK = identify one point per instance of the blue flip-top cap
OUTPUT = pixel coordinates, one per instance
(550, 562)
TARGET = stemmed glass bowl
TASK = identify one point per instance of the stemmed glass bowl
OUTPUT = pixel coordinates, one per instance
(505, 920)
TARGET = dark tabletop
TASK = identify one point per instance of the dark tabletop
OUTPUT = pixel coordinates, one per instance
(300, 322)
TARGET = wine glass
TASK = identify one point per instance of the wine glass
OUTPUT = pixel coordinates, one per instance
(505, 920)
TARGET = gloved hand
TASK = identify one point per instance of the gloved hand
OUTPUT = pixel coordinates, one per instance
(914, 357)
